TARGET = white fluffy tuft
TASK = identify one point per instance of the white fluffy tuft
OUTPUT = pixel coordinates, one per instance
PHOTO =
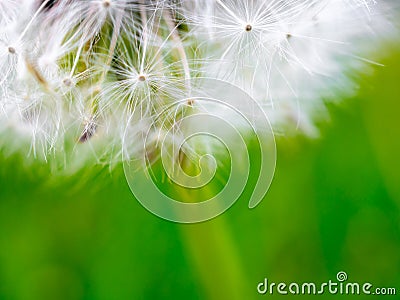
(92, 76)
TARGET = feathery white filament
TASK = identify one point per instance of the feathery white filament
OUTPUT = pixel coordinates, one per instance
(88, 71)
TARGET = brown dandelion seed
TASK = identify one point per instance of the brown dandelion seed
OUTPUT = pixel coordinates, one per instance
(249, 27)
(11, 50)
(67, 82)
(142, 78)
(33, 69)
(88, 132)
(106, 3)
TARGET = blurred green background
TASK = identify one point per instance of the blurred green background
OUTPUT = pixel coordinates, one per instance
(333, 206)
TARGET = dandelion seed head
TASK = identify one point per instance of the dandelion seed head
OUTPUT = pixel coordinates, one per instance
(142, 78)
(249, 27)
(106, 3)
(99, 72)
(11, 50)
(67, 82)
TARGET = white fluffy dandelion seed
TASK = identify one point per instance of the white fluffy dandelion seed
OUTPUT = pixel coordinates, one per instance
(96, 74)
(285, 53)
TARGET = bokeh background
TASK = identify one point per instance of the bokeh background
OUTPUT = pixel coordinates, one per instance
(333, 206)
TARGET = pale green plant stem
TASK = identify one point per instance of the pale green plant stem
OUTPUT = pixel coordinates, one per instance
(212, 247)
(213, 253)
